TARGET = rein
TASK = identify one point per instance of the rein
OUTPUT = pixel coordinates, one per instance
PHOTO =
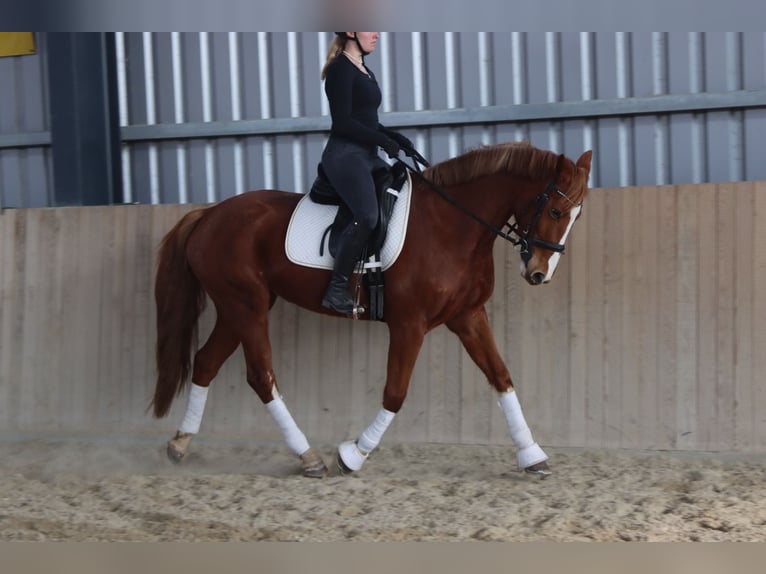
(515, 236)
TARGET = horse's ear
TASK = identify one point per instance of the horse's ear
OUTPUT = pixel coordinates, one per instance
(585, 159)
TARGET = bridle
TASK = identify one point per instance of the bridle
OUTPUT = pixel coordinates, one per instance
(523, 238)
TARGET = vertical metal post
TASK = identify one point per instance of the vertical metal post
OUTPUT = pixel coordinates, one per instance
(697, 84)
(452, 53)
(420, 84)
(662, 124)
(151, 116)
(487, 82)
(324, 44)
(296, 109)
(264, 77)
(519, 74)
(179, 114)
(588, 86)
(85, 134)
(553, 77)
(736, 117)
(207, 113)
(387, 71)
(122, 91)
(236, 112)
(625, 90)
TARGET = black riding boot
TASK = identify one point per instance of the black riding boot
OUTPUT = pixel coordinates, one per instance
(352, 242)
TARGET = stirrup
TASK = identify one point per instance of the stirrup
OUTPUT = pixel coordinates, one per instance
(355, 312)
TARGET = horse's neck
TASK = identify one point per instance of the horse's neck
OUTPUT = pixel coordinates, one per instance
(491, 199)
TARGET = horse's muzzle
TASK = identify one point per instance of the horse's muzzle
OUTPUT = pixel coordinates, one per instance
(536, 278)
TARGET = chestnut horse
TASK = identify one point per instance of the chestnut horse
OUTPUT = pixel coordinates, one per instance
(234, 253)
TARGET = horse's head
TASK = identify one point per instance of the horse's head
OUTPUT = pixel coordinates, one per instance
(544, 224)
(543, 192)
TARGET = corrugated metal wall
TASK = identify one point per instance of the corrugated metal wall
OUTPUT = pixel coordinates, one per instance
(26, 169)
(650, 336)
(267, 75)
(657, 108)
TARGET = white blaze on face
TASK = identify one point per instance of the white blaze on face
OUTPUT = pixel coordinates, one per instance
(554, 259)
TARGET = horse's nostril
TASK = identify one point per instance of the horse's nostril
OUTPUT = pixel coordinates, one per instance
(537, 278)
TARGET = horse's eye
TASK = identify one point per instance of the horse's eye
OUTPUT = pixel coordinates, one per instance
(555, 213)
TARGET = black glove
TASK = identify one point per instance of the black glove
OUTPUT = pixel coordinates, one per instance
(391, 148)
(401, 139)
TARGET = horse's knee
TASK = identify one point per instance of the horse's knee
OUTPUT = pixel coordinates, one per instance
(263, 384)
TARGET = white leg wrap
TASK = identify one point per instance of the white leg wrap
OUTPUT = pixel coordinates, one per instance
(295, 439)
(354, 453)
(371, 436)
(530, 456)
(529, 452)
(194, 410)
(352, 457)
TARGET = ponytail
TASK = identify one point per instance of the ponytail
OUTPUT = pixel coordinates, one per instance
(335, 50)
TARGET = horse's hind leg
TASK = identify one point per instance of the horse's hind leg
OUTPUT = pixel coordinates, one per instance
(222, 342)
(474, 331)
(260, 377)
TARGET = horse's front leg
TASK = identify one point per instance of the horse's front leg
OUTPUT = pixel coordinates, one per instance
(476, 335)
(404, 345)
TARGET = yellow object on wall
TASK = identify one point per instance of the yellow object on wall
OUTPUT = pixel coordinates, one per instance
(17, 43)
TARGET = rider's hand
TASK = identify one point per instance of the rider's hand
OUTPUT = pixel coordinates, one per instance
(391, 148)
(402, 140)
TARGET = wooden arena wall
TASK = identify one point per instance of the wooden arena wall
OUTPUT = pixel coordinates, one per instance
(652, 335)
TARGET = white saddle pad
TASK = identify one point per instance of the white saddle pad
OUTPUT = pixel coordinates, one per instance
(310, 220)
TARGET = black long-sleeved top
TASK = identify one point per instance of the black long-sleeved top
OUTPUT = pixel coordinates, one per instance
(354, 100)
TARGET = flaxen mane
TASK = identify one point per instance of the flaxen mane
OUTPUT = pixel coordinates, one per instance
(518, 158)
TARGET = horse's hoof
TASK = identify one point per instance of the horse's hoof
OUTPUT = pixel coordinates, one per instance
(174, 454)
(350, 458)
(342, 468)
(540, 469)
(178, 446)
(530, 456)
(313, 465)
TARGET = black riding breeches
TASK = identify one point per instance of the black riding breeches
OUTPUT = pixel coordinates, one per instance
(349, 168)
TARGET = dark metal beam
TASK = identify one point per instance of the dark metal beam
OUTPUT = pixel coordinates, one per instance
(21, 140)
(622, 107)
(84, 133)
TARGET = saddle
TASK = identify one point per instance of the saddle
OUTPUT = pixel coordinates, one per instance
(388, 181)
(386, 178)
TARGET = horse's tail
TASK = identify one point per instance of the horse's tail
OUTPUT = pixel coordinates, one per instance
(180, 300)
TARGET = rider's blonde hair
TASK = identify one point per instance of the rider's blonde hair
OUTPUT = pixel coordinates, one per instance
(335, 50)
